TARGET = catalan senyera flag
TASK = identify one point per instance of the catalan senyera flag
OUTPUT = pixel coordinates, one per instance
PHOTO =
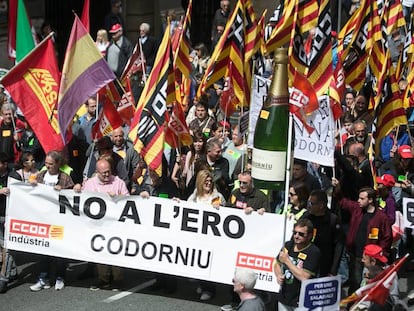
(281, 34)
(147, 127)
(84, 73)
(320, 60)
(34, 86)
(231, 47)
(352, 45)
(21, 34)
(108, 120)
(308, 15)
(390, 113)
(298, 60)
(182, 53)
(394, 16)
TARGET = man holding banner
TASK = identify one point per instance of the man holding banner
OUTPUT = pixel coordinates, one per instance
(297, 261)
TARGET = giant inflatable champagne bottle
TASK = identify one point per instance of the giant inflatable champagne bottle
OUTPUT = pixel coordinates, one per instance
(271, 133)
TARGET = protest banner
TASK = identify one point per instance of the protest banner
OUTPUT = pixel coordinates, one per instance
(317, 147)
(320, 294)
(155, 234)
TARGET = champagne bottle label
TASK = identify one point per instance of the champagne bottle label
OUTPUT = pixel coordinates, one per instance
(268, 165)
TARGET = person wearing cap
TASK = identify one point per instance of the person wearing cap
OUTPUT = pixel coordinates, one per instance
(386, 200)
(375, 262)
(368, 225)
(119, 50)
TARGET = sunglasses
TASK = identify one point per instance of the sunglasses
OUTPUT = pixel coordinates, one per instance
(292, 194)
(301, 234)
(244, 183)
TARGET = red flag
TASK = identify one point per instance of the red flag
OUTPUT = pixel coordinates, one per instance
(228, 100)
(126, 106)
(85, 16)
(303, 100)
(111, 90)
(135, 63)
(108, 120)
(177, 133)
(378, 289)
(34, 86)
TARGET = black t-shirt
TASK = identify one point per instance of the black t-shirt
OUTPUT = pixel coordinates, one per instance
(361, 235)
(308, 260)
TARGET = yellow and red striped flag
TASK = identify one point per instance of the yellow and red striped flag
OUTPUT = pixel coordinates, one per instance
(147, 127)
(320, 60)
(390, 113)
(281, 34)
(235, 45)
(182, 54)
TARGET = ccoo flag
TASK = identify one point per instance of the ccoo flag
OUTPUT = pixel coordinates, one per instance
(34, 85)
(84, 73)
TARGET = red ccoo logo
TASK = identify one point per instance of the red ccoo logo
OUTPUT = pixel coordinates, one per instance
(255, 262)
(36, 229)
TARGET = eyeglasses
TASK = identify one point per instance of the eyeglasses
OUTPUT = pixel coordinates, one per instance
(301, 234)
(292, 194)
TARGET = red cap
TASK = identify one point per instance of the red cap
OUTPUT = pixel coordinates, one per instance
(375, 251)
(115, 28)
(224, 124)
(405, 152)
(387, 180)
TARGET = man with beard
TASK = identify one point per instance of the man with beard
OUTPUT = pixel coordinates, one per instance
(368, 225)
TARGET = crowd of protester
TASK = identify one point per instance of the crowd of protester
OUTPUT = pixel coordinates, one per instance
(342, 215)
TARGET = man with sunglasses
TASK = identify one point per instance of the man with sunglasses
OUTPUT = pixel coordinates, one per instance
(297, 261)
(247, 197)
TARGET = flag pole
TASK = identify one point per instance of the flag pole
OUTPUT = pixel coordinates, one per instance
(287, 178)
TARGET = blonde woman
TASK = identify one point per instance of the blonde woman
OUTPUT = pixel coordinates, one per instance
(205, 191)
(102, 41)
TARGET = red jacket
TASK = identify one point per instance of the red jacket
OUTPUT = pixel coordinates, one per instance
(379, 220)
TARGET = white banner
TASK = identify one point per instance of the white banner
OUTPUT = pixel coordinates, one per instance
(317, 147)
(161, 235)
(260, 87)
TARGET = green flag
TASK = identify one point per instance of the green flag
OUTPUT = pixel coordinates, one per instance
(24, 36)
